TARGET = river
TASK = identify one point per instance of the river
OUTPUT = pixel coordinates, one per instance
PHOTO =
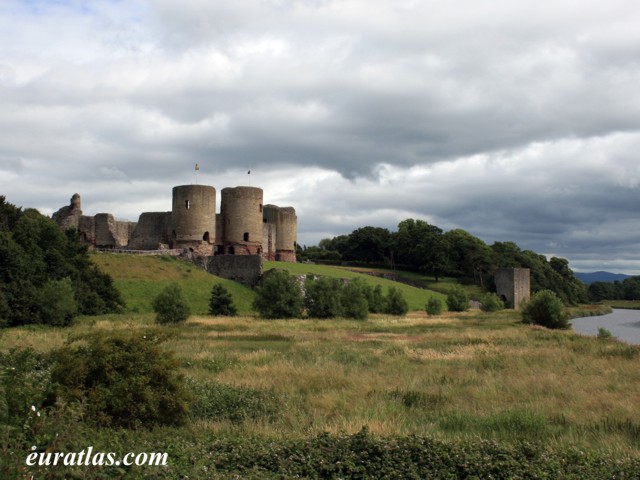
(623, 324)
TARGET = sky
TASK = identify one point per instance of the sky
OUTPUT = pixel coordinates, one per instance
(514, 120)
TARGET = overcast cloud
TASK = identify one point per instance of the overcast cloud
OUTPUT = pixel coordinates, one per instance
(514, 120)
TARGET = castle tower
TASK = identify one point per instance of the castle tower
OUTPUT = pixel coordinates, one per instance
(241, 223)
(280, 233)
(513, 286)
(193, 217)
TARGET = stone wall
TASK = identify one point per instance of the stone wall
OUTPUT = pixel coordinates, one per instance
(152, 232)
(246, 269)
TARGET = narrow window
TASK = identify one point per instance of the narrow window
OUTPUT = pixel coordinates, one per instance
(246, 236)
(186, 204)
(205, 237)
(260, 208)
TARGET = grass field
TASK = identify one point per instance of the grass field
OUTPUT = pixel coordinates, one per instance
(457, 377)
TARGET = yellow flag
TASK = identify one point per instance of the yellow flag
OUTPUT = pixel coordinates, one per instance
(197, 167)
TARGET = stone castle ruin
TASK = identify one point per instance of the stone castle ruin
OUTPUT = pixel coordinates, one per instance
(513, 286)
(243, 227)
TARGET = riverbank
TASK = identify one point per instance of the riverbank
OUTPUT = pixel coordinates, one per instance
(624, 325)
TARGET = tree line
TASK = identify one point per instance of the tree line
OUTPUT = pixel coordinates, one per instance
(419, 246)
(46, 275)
(628, 289)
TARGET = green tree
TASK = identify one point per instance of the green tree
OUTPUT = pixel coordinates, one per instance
(469, 256)
(489, 302)
(457, 299)
(322, 297)
(546, 309)
(433, 306)
(58, 306)
(221, 302)
(395, 303)
(170, 305)
(368, 244)
(122, 380)
(278, 295)
(354, 300)
(375, 299)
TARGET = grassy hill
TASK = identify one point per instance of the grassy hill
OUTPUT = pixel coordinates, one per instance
(141, 278)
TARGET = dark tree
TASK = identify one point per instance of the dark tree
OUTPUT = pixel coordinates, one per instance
(221, 302)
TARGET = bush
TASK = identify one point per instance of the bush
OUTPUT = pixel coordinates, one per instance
(490, 302)
(170, 305)
(322, 297)
(604, 334)
(395, 303)
(57, 303)
(354, 300)
(221, 302)
(122, 381)
(278, 295)
(457, 300)
(546, 309)
(375, 299)
(433, 306)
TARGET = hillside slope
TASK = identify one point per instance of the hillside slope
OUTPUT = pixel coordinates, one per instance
(141, 278)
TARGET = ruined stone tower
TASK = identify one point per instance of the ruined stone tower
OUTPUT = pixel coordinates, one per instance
(193, 216)
(513, 286)
(241, 222)
(280, 233)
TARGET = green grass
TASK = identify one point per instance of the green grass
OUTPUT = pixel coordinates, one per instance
(629, 304)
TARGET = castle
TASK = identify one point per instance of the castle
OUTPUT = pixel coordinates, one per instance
(244, 225)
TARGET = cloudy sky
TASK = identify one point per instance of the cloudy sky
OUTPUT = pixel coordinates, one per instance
(515, 120)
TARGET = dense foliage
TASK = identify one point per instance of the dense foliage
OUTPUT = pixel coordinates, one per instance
(170, 305)
(433, 306)
(545, 309)
(278, 295)
(458, 300)
(46, 275)
(221, 302)
(121, 380)
(417, 245)
(628, 289)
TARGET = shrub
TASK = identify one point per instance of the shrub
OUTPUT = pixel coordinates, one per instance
(278, 295)
(221, 302)
(170, 305)
(457, 300)
(490, 302)
(122, 381)
(354, 300)
(546, 309)
(604, 334)
(375, 299)
(322, 297)
(395, 303)
(434, 306)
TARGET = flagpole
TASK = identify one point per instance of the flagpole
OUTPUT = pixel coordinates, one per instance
(197, 170)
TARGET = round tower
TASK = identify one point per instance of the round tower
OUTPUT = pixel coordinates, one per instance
(193, 217)
(241, 210)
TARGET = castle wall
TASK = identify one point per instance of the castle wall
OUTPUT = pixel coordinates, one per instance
(87, 229)
(111, 233)
(246, 269)
(269, 239)
(513, 286)
(194, 218)
(241, 210)
(286, 227)
(152, 231)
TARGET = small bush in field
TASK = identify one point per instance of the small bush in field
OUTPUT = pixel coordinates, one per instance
(546, 309)
(278, 295)
(122, 380)
(395, 303)
(221, 302)
(434, 306)
(457, 300)
(375, 299)
(354, 300)
(491, 303)
(322, 297)
(170, 305)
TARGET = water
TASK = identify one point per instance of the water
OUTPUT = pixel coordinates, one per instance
(623, 324)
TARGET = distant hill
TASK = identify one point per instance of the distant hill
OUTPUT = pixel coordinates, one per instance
(589, 278)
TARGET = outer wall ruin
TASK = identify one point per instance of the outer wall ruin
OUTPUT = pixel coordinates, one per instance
(244, 225)
(513, 286)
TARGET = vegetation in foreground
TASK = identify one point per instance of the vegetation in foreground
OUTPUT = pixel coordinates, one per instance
(466, 393)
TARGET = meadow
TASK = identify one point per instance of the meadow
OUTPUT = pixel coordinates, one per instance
(462, 381)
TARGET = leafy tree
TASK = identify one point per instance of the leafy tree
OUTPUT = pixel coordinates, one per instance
(354, 300)
(170, 305)
(122, 380)
(368, 244)
(57, 302)
(375, 299)
(278, 295)
(469, 256)
(434, 306)
(221, 302)
(395, 303)
(545, 308)
(457, 299)
(323, 297)
(490, 302)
